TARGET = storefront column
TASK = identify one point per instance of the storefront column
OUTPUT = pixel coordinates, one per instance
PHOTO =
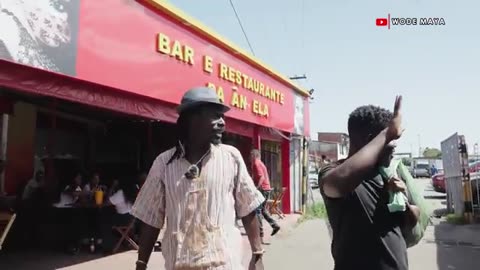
(257, 140)
(285, 156)
(51, 181)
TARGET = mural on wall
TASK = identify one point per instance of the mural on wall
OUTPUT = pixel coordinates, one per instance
(40, 33)
(299, 121)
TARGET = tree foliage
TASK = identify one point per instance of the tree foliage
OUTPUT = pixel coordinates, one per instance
(407, 161)
(432, 153)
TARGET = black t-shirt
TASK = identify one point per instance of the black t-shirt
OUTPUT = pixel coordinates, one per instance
(366, 236)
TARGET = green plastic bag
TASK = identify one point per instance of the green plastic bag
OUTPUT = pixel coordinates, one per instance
(398, 200)
(413, 237)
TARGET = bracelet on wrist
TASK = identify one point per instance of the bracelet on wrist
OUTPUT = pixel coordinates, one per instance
(142, 263)
(259, 252)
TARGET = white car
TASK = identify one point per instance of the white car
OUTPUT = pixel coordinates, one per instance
(313, 179)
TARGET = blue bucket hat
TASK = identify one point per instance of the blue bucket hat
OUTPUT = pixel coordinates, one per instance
(200, 96)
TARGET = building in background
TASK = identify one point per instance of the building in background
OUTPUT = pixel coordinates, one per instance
(334, 145)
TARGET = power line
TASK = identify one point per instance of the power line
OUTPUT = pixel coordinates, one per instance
(241, 26)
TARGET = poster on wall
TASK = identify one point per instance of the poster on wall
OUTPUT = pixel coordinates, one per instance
(299, 116)
(40, 33)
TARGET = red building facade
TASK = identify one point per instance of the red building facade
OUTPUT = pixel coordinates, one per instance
(138, 58)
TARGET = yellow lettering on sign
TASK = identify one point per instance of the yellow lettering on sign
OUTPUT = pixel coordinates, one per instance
(221, 94)
(245, 81)
(177, 50)
(238, 77)
(207, 64)
(163, 44)
(189, 55)
(219, 90)
(223, 71)
(239, 101)
(231, 75)
(259, 108)
(265, 90)
(250, 84)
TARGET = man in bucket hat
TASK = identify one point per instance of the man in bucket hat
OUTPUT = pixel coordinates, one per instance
(199, 186)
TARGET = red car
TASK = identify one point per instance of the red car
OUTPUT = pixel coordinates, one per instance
(438, 182)
(474, 167)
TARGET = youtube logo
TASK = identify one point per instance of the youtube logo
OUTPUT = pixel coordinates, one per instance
(381, 21)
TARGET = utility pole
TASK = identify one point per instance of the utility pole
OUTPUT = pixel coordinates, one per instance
(475, 151)
(419, 147)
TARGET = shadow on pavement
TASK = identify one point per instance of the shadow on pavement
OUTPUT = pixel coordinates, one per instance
(457, 246)
(39, 260)
(440, 196)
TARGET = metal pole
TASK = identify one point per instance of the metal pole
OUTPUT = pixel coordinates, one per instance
(419, 147)
(305, 175)
(467, 185)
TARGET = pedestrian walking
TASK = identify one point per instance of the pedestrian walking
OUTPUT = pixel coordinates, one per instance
(262, 181)
(366, 235)
(199, 186)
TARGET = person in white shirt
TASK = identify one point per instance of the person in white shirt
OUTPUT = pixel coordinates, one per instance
(70, 193)
(93, 185)
(122, 200)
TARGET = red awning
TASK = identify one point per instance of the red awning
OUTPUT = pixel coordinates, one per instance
(45, 83)
(41, 82)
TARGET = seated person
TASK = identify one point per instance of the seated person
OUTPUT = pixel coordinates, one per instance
(72, 192)
(122, 200)
(72, 222)
(114, 187)
(93, 185)
(34, 185)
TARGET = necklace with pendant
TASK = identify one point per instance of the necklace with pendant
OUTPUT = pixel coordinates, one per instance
(193, 171)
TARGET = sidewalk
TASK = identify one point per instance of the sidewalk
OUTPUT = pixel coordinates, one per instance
(307, 248)
(453, 235)
(121, 261)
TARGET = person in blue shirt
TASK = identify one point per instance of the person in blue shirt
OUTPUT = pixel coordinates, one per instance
(433, 170)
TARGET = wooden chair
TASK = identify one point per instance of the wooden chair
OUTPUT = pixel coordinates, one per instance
(274, 205)
(125, 232)
(6, 222)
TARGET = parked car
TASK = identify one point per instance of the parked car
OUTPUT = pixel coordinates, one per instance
(438, 182)
(421, 170)
(474, 167)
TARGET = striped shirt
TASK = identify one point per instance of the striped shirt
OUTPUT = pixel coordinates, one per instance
(230, 193)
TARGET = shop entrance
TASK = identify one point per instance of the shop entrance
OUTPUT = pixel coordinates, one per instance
(63, 140)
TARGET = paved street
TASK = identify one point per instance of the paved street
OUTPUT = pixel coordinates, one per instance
(444, 247)
(301, 247)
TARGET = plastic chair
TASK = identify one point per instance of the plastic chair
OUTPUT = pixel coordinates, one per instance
(274, 205)
(125, 232)
(6, 222)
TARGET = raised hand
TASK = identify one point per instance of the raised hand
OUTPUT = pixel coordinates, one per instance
(395, 130)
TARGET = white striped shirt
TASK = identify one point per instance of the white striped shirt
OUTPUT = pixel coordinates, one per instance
(165, 192)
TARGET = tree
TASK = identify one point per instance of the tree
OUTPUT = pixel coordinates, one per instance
(407, 161)
(432, 153)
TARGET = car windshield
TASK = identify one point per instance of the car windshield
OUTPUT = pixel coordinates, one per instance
(422, 166)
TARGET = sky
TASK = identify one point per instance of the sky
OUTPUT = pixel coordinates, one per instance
(350, 61)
